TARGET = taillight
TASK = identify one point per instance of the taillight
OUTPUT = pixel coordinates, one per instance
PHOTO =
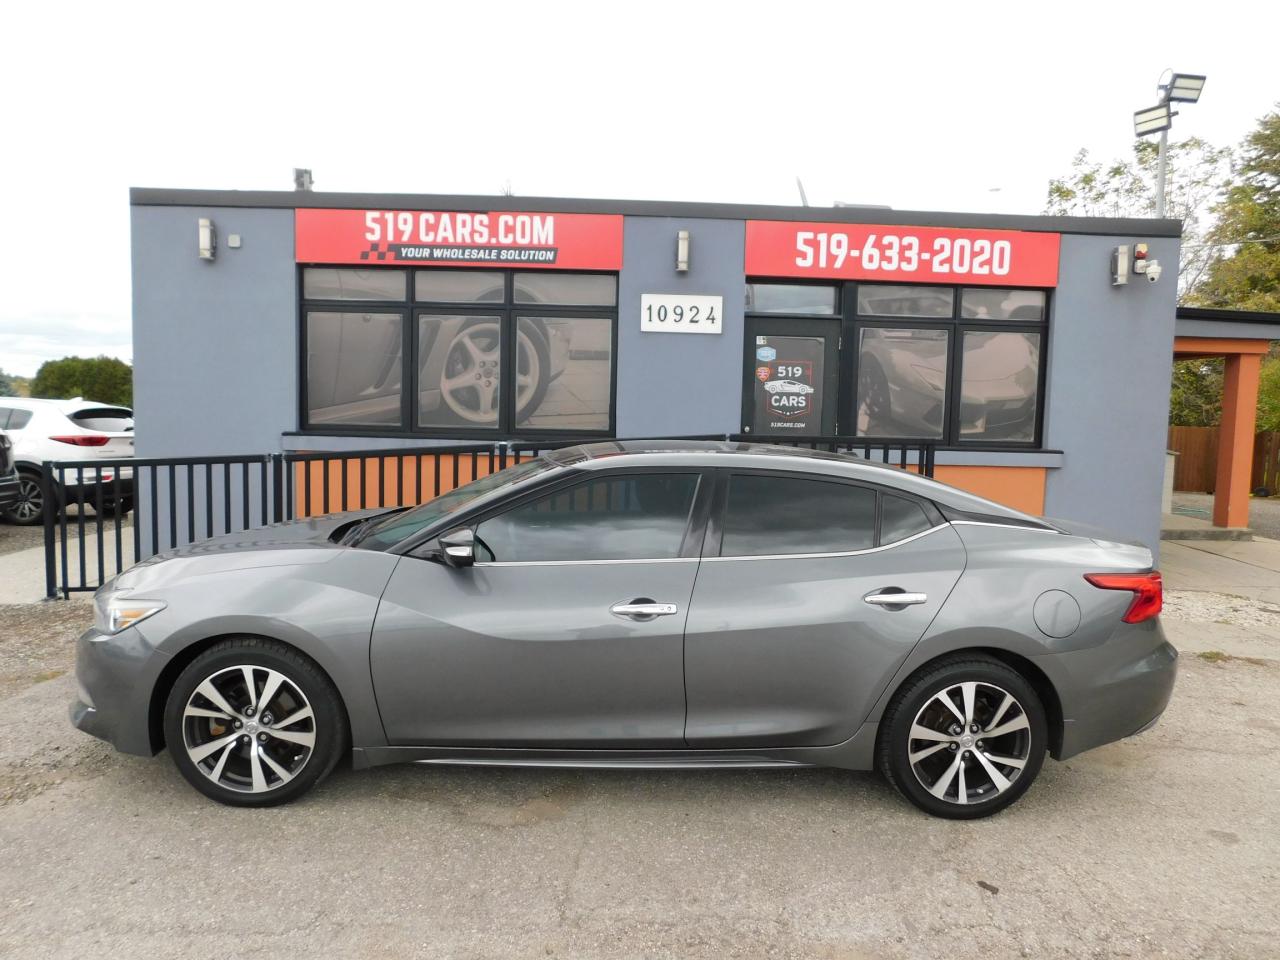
(83, 440)
(1147, 589)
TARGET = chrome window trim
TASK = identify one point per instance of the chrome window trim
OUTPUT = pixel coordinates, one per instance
(576, 563)
(1003, 526)
(842, 553)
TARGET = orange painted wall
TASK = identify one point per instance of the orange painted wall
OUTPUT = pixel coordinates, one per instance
(407, 480)
(1019, 487)
(382, 481)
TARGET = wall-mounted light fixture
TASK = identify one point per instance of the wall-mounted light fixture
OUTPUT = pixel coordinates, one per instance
(1120, 265)
(682, 251)
(208, 238)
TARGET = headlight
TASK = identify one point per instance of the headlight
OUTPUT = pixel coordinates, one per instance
(113, 612)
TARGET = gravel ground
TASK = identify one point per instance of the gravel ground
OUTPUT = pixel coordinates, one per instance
(1264, 513)
(1159, 846)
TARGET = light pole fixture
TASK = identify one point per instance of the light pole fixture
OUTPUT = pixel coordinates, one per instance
(1171, 88)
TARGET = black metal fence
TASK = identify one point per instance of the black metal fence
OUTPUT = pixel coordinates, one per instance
(89, 537)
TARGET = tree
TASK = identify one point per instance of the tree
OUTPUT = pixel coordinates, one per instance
(104, 379)
(1195, 396)
(1244, 273)
(1197, 175)
(7, 386)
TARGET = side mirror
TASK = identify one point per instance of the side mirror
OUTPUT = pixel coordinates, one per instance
(458, 547)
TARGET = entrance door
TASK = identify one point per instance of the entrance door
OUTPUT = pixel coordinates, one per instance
(791, 375)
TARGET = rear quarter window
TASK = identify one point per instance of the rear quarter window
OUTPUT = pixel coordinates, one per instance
(901, 518)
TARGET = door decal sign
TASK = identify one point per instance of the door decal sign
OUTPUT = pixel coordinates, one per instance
(788, 385)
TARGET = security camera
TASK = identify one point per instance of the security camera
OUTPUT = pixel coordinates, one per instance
(1153, 270)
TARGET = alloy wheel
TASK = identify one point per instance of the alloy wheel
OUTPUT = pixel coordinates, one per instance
(471, 379)
(30, 500)
(969, 742)
(248, 728)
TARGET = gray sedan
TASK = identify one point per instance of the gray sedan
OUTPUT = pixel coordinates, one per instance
(639, 605)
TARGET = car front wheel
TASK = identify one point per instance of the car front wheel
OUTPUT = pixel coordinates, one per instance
(254, 723)
(963, 738)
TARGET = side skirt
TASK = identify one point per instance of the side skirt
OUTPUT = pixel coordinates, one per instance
(856, 753)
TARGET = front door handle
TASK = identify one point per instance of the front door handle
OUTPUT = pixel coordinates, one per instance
(898, 599)
(642, 608)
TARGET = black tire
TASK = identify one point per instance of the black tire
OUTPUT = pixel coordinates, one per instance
(28, 511)
(918, 692)
(329, 724)
(542, 347)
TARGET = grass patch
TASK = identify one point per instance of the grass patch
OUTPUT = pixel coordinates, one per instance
(47, 675)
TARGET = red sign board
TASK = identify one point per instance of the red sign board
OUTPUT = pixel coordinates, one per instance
(554, 241)
(1007, 258)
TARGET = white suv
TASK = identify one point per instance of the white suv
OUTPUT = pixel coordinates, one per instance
(75, 429)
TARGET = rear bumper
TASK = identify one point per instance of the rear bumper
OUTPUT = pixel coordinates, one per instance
(1119, 689)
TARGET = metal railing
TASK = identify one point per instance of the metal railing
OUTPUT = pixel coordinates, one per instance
(181, 500)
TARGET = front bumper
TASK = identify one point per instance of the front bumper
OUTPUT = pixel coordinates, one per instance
(1119, 688)
(115, 675)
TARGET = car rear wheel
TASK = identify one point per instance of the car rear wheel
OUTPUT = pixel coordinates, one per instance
(254, 723)
(963, 738)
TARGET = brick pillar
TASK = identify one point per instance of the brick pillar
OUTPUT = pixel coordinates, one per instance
(1235, 440)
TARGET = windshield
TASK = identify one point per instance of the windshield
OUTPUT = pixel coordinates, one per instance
(388, 531)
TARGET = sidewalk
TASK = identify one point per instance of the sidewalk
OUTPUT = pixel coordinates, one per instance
(22, 571)
(1245, 568)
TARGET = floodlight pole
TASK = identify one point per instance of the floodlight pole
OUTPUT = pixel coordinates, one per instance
(1161, 168)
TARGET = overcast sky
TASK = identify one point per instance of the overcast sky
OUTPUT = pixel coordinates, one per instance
(920, 105)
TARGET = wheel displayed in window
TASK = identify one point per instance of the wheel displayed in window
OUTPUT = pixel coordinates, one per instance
(470, 381)
(254, 723)
(963, 739)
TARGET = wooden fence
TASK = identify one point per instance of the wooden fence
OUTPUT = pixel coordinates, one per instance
(1197, 465)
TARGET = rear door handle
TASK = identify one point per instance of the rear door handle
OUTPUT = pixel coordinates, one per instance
(642, 608)
(896, 599)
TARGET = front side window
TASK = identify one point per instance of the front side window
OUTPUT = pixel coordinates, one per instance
(487, 352)
(638, 517)
(771, 516)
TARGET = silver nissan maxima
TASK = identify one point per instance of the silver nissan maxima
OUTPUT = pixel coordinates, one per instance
(621, 604)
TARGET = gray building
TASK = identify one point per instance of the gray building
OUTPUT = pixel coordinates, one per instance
(1002, 347)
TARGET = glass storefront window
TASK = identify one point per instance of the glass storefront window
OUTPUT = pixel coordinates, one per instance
(902, 382)
(875, 300)
(999, 382)
(564, 373)
(459, 370)
(353, 368)
(325, 283)
(996, 304)
(796, 298)
(459, 286)
(566, 289)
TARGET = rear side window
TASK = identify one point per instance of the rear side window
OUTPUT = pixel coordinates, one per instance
(639, 517)
(767, 516)
(11, 419)
(106, 419)
(901, 518)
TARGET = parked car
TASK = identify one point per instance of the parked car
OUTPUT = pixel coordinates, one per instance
(669, 604)
(8, 473)
(75, 429)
